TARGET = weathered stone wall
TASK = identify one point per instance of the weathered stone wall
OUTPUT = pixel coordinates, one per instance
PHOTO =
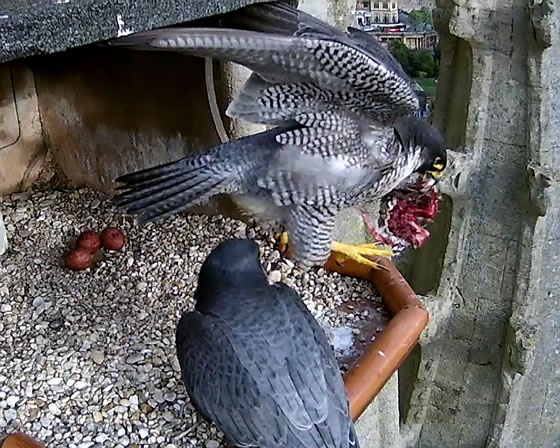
(488, 373)
(22, 150)
(26, 28)
(336, 12)
(529, 403)
(106, 111)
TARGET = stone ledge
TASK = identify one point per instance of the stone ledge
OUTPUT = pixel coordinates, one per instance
(42, 27)
(378, 426)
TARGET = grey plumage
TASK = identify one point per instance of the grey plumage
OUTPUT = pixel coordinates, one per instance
(255, 361)
(299, 191)
(341, 103)
(284, 45)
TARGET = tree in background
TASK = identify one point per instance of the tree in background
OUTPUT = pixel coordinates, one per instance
(422, 16)
(423, 64)
(402, 54)
(417, 63)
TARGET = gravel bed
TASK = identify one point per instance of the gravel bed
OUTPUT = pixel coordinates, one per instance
(87, 359)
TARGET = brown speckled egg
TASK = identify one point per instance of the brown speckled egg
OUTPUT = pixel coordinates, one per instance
(112, 238)
(78, 259)
(90, 241)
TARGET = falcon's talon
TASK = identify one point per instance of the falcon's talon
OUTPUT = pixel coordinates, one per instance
(282, 239)
(360, 253)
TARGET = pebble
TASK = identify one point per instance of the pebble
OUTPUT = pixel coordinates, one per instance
(12, 401)
(97, 357)
(101, 438)
(158, 396)
(275, 276)
(53, 409)
(135, 358)
(10, 414)
(106, 373)
(168, 416)
(170, 396)
(38, 302)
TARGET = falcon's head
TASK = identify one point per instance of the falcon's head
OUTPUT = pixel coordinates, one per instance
(425, 143)
(405, 212)
(233, 264)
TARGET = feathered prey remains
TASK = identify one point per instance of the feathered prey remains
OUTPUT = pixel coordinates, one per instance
(344, 135)
(256, 363)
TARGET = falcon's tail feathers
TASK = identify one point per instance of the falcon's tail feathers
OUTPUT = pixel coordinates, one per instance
(167, 189)
(230, 44)
(163, 190)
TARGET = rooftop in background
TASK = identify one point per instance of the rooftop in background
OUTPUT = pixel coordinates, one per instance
(31, 27)
(386, 18)
(387, 22)
(377, 12)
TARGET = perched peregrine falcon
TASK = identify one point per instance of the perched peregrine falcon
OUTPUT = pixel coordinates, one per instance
(255, 361)
(345, 134)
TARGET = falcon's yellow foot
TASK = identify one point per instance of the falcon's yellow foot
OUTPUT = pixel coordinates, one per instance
(360, 253)
(282, 242)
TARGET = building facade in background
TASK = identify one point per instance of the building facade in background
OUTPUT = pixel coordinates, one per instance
(388, 23)
(415, 40)
(370, 13)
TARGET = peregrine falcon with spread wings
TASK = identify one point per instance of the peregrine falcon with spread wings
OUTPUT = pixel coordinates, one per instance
(344, 132)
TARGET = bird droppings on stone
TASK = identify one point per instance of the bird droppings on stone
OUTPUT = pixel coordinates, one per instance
(74, 381)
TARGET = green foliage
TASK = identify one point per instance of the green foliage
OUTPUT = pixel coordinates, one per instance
(422, 16)
(428, 85)
(402, 54)
(423, 61)
(417, 63)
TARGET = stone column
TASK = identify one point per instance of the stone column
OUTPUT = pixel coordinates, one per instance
(488, 373)
(529, 399)
(336, 12)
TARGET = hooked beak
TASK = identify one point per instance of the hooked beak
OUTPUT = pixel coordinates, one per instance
(435, 174)
(430, 179)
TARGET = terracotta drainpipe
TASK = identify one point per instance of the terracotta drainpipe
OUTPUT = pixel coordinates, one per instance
(372, 370)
